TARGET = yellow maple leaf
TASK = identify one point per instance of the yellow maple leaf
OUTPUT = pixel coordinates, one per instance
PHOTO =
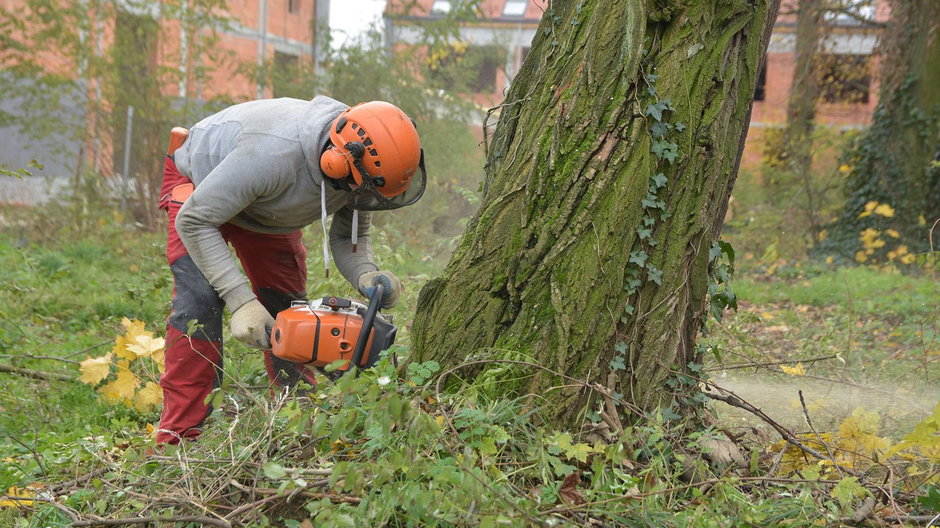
(857, 433)
(844, 169)
(798, 370)
(95, 369)
(922, 220)
(860, 256)
(909, 258)
(132, 330)
(884, 210)
(123, 387)
(145, 345)
(148, 397)
(19, 494)
(892, 233)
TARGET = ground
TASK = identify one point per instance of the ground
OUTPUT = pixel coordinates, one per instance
(850, 338)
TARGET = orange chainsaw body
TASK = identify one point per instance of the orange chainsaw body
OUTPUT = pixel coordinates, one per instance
(321, 332)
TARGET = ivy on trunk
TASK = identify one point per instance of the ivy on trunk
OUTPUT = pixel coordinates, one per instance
(606, 181)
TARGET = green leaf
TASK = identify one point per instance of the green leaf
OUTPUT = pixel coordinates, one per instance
(655, 274)
(648, 220)
(655, 111)
(659, 180)
(618, 363)
(639, 257)
(659, 129)
(847, 490)
(621, 347)
(680, 126)
(273, 470)
(644, 232)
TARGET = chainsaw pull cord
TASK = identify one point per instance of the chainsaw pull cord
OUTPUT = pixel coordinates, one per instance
(326, 248)
(375, 300)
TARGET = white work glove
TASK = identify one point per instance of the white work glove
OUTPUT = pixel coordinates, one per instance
(368, 280)
(252, 324)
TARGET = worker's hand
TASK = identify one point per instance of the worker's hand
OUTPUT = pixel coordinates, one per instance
(368, 280)
(252, 324)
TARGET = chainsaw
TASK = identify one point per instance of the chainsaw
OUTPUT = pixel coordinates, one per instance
(318, 333)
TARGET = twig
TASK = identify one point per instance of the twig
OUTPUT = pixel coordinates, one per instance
(735, 401)
(32, 450)
(772, 363)
(913, 518)
(30, 356)
(35, 374)
(815, 432)
(141, 520)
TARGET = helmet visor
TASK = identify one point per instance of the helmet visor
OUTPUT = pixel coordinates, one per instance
(366, 197)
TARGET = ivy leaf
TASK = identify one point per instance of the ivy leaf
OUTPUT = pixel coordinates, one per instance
(644, 233)
(632, 285)
(618, 364)
(680, 126)
(629, 309)
(655, 111)
(638, 257)
(659, 129)
(659, 180)
(648, 220)
(655, 275)
(652, 242)
(649, 201)
(621, 347)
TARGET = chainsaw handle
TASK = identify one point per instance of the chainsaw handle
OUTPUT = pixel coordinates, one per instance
(375, 300)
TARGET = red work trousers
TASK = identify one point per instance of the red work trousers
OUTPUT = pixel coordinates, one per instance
(276, 268)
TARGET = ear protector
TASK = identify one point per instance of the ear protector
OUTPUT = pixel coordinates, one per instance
(336, 162)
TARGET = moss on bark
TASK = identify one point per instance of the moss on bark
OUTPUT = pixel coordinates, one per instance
(542, 268)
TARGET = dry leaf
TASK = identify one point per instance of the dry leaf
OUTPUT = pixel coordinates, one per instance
(20, 493)
(569, 490)
(123, 387)
(797, 370)
(95, 369)
(146, 345)
(148, 397)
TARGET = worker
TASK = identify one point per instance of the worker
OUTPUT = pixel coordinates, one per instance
(253, 175)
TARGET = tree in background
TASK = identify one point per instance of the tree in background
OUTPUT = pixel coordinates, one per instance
(606, 183)
(74, 68)
(893, 189)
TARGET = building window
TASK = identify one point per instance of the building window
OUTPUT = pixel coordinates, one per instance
(515, 8)
(293, 6)
(844, 78)
(440, 7)
(760, 89)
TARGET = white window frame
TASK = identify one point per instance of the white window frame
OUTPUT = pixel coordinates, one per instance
(514, 5)
(440, 7)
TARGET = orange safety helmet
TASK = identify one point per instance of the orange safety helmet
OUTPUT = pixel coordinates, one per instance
(378, 146)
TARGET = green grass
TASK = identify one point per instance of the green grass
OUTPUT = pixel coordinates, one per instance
(861, 290)
(64, 295)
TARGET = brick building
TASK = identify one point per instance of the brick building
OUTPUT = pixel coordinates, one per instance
(274, 33)
(846, 53)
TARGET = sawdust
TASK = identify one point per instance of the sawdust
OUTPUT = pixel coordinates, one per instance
(900, 406)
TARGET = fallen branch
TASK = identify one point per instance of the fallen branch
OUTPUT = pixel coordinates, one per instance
(818, 437)
(771, 363)
(35, 374)
(212, 521)
(735, 401)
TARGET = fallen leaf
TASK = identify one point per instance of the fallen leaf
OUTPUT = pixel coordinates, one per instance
(569, 489)
(20, 494)
(797, 370)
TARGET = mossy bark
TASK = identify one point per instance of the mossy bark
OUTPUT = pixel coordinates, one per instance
(542, 270)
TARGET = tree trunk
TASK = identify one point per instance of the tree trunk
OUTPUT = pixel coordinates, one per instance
(797, 143)
(892, 161)
(606, 182)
